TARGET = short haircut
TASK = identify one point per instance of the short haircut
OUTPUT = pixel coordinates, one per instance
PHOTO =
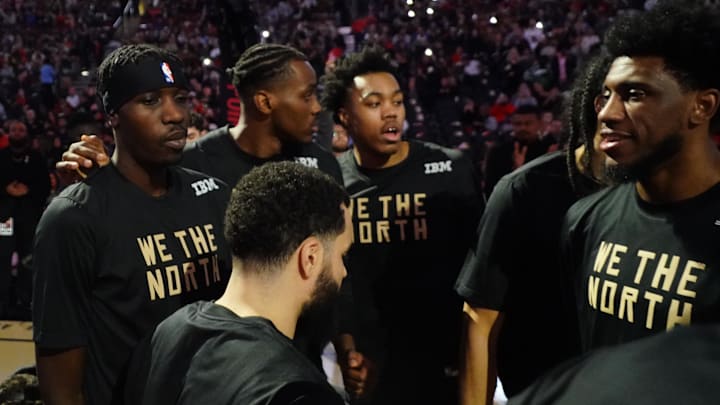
(261, 66)
(278, 205)
(526, 109)
(197, 121)
(682, 33)
(337, 83)
(128, 55)
(581, 116)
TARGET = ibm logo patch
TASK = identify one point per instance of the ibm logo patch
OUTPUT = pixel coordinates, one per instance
(438, 167)
(204, 186)
(307, 161)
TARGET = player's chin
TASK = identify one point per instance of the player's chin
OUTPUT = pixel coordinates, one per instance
(171, 158)
(307, 136)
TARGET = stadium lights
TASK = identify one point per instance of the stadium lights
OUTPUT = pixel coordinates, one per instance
(493, 20)
(266, 34)
(409, 2)
(430, 11)
(84, 73)
(428, 52)
(539, 25)
(411, 14)
(207, 62)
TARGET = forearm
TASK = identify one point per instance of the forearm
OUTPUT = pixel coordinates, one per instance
(60, 374)
(52, 398)
(478, 371)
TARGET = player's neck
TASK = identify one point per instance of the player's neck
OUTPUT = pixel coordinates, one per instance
(255, 139)
(153, 180)
(260, 296)
(685, 176)
(371, 160)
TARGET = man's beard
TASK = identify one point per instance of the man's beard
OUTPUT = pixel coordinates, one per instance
(323, 298)
(644, 168)
(319, 317)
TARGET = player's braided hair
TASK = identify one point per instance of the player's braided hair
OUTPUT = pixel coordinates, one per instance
(581, 117)
(262, 64)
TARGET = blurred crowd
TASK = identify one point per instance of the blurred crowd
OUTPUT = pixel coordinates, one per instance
(465, 65)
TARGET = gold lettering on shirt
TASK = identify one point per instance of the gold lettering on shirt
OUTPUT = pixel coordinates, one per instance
(167, 277)
(402, 218)
(657, 286)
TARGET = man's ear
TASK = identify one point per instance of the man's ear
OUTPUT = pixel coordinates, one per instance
(705, 106)
(344, 117)
(263, 102)
(310, 257)
(113, 120)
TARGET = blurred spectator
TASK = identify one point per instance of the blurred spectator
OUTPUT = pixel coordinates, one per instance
(24, 188)
(475, 49)
(512, 150)
(502, 108)
(197, 127)
(340, 140)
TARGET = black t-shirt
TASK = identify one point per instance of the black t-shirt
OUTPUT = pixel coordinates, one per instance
(642, 268)
(679, 367)
(111, 262)
(206, 354)
(414, 223)
(218, 155)
(515, 269)
(499, 158)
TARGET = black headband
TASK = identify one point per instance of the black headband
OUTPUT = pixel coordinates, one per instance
(150, 74)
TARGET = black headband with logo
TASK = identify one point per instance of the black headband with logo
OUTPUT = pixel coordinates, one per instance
(150, 74)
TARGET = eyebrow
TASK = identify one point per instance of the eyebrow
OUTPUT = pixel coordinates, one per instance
(625, 85)
(378, 94)
(311, 86)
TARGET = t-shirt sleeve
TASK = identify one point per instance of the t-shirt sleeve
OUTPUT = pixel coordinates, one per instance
(572, 241)
(571, 246)
(333, 169)
(306, 393)
(63, 261)
(468, 205)
(483, 281)
(474, 200)
(194, 158)
(497, 164)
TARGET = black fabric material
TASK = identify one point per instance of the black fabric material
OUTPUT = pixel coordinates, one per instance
(499, 158)
(218, 155)
(414, 223)
(150, 74)
(679, 367)
(111, 262)
(205, 354)
(515, 269)
(640, 269)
